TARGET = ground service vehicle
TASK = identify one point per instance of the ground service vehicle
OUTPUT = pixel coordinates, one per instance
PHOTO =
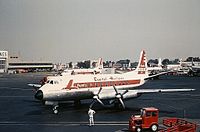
(148, 119)
(178, 125)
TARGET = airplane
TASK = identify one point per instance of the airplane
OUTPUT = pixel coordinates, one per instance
(153, 69)
(96, 70)
(99, 87)
(158, 67)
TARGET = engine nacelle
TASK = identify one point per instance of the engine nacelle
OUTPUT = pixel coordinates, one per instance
(130, 95)
(110, 95)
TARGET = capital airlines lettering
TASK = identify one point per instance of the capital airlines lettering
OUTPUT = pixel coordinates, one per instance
(108, 78)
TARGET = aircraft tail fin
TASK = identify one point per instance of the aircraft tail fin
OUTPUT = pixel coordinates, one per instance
(100, 64)
(159, 62)
(142, 64)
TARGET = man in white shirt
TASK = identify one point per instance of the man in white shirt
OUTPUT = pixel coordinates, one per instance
(91, 116)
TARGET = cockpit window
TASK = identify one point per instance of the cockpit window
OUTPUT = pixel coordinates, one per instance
(51, 82)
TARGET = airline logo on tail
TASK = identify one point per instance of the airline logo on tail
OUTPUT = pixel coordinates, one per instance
(142, 66)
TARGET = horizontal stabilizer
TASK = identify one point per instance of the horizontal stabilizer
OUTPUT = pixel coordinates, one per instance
(156, 75)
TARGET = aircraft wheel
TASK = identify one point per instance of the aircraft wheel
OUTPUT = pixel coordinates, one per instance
(154, 127)
(55, 110)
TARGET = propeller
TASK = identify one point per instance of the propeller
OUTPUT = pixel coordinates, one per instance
(119, 96)
(96, 98)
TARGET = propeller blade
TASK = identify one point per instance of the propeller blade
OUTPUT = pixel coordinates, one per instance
(124, 92)
(122, 103)
(100, 101)
(115, 89)
(96, 98)
(93, 102)
(99, 91)
(119, 96)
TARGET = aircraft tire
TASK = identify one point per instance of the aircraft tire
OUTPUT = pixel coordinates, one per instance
(55, 111)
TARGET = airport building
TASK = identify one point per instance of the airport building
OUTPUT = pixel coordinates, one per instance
(3, 61)
(26, 66)
(14, 64)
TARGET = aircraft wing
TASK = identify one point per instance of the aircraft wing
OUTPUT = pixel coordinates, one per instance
(144, 91)
(132, 93)
(137, 92)
(128, 94)
(153, 76)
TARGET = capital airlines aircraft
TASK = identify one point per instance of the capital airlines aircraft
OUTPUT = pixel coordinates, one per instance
(99, 87)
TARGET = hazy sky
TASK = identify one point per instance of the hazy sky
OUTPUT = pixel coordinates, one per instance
(73, 30)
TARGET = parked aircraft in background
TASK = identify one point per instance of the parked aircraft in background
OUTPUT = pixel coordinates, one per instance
(156, 68)
(98, 69)
(99, 87)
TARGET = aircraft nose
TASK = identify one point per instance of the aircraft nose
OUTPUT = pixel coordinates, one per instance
(39, 95)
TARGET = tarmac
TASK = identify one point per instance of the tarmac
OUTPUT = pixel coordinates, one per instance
(21, 112)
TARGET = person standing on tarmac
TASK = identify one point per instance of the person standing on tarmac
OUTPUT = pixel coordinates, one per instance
(91, 116)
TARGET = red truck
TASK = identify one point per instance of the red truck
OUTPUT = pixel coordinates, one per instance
(148, 119)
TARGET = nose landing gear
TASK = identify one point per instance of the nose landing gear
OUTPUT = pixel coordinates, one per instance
(55, 109)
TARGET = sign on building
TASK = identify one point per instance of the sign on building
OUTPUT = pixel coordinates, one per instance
(3, 61)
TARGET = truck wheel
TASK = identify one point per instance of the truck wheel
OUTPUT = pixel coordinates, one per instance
(138, 129)
(154, 127)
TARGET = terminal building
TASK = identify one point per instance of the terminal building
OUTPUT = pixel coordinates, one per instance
(26, 66)
(13, 64)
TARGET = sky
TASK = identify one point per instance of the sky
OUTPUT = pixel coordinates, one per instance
(74, 30)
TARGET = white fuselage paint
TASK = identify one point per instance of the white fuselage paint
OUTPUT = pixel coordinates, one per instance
(86, 86)
(79, 86)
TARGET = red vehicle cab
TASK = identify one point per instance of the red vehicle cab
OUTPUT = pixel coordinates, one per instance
(148, 119)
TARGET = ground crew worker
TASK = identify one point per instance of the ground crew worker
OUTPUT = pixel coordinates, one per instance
(91, 116)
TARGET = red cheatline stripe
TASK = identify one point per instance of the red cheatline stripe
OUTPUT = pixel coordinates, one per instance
(106, 83)
(69, 84)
